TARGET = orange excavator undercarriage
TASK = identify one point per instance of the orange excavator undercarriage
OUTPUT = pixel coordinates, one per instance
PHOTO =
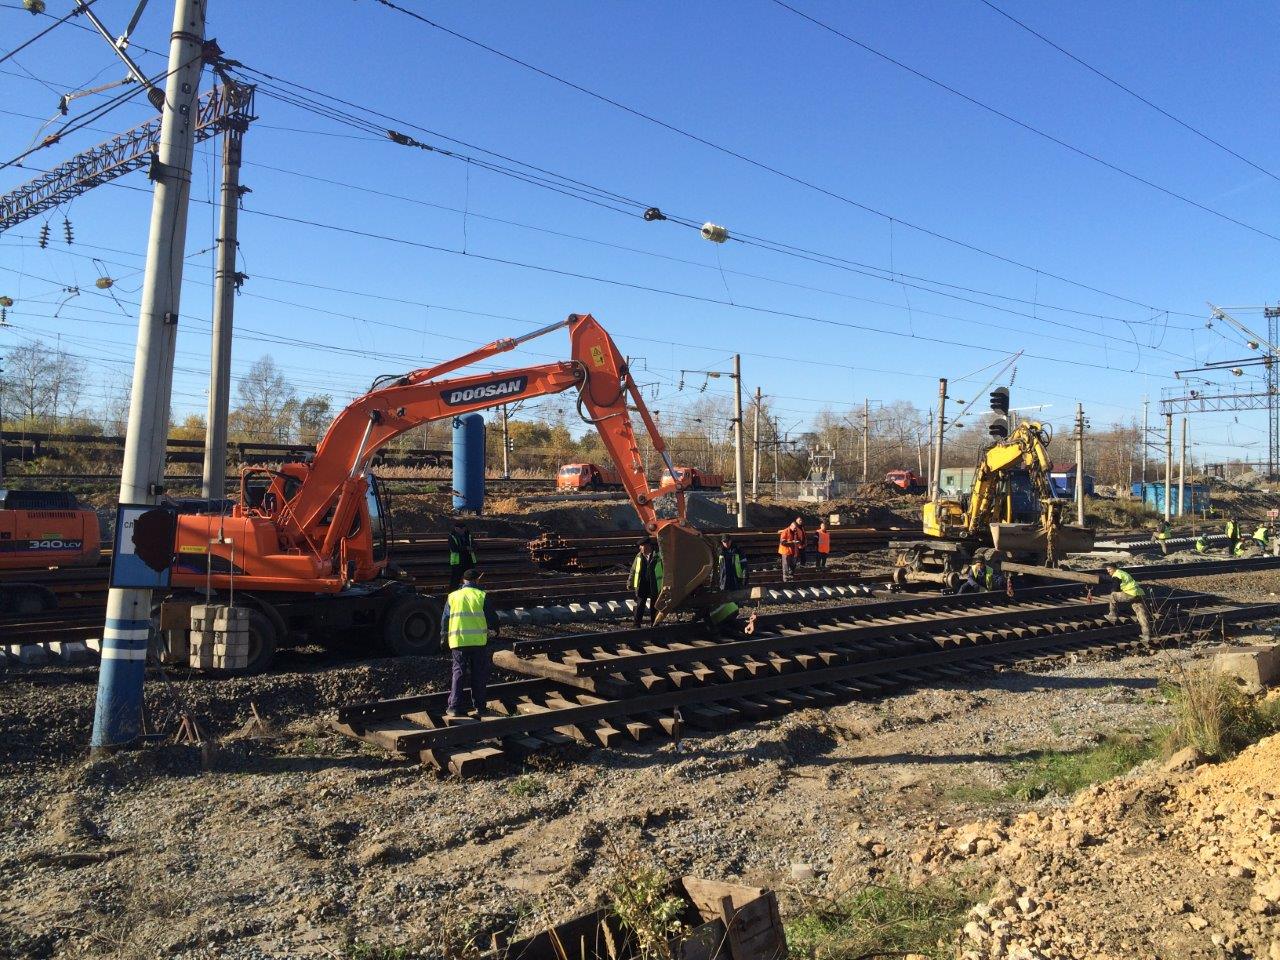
(315, 529)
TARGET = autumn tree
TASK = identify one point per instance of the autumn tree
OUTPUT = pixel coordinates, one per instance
(40, 384)
(267, 403)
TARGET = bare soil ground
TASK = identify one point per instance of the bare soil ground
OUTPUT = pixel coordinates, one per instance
(296, 842)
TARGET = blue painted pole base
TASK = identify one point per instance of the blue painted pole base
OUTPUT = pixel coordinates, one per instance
(117, 719)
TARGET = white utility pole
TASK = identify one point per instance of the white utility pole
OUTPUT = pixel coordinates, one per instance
(776, 440)
(1080, 464)
(866, 429)
(126, 633)
(225, 284)
(1182, 472)
(1145, 434)
(935, 482)
(1168, 464)
(506, 445)
(755, 452)
(740, 467)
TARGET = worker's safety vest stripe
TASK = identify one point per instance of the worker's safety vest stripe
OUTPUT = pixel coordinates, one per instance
(467, 624)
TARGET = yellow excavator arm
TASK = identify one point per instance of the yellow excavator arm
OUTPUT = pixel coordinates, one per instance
(988, 498)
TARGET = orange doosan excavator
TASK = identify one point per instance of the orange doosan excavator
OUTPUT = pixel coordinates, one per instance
(305, 549)
(41, 529)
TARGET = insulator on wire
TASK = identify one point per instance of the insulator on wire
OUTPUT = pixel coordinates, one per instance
(6, 301)
(714, 232)
(44, 236)
(67, 231)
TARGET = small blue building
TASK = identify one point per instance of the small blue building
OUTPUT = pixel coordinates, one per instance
(1152, 494)
(1064, 482)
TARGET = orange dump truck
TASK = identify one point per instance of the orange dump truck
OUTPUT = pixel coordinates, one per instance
(587, 476)
(700, 479)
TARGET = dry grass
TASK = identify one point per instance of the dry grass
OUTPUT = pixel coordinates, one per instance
(1213, 715)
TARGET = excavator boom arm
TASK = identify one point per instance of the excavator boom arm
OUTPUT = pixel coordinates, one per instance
(324, 506)
(1026, 447)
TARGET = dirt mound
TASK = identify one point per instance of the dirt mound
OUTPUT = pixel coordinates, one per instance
(1193, 854)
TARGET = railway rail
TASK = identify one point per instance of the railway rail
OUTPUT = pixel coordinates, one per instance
(621, 686)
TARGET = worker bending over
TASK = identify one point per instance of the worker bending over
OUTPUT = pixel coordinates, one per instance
(802, 541)
(733, 567)
(468, 618)
(723, 620)
(823, 545)
(462, 553)
(1129, 593)
(646, 580)
(1256, 544)
(978, 577)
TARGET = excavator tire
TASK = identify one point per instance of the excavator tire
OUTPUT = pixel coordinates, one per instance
(411, 626)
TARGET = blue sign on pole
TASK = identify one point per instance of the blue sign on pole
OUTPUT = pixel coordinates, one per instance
(145, 540)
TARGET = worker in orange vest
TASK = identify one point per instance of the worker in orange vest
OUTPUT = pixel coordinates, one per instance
(824, 546)
(788, 550)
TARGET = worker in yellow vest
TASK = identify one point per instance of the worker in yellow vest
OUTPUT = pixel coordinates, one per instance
(468, 618)
(1128, 592)
(462, 553)
(646, 581)
(723, 619)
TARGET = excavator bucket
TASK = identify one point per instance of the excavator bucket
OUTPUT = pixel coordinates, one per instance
(687, 564)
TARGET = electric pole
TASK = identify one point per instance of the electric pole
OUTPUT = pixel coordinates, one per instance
(1168, 464)
(118, 714)
(755, 453)
(1, 425)
(776, 440)
(866, 429)
(1145, 435)
(935, 482)
(1182, 472)
(739, 458)
(226, 283)
(506, 445)
(1080, 464)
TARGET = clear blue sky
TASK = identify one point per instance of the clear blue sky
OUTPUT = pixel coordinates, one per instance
(752, 77)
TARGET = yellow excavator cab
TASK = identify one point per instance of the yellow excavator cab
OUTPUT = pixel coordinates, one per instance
(941, 517)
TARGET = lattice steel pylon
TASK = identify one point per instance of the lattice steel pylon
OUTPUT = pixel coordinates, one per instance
(226, 106)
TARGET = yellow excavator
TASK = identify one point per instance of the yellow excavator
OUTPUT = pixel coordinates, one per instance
(999, 518)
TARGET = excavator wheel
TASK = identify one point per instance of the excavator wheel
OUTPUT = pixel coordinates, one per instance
(411, 626)
(900, 575)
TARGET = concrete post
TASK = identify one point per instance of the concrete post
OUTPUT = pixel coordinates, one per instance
(118, 714)
(1168, 464)
(935, 482)
(1080, 464)
(866, 429)
(1145, 434)
(506, 445)
(755, 453)
(1182, 472)
(740, 466)
(225, 285)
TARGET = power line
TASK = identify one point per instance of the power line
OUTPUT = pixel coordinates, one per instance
(1023, 124)
(800, 181)
(75, 12)
(773, 246)
(1133, 93)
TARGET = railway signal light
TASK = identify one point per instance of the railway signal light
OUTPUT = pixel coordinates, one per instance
(999, 429)
(1000, 400)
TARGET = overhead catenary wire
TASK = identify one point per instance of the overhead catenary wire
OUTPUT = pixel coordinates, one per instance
(759, 164)
(610, 199)
(75, 11)
(1130, 91)
(1023, 124)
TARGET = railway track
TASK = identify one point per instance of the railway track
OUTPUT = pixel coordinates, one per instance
(623, 686)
